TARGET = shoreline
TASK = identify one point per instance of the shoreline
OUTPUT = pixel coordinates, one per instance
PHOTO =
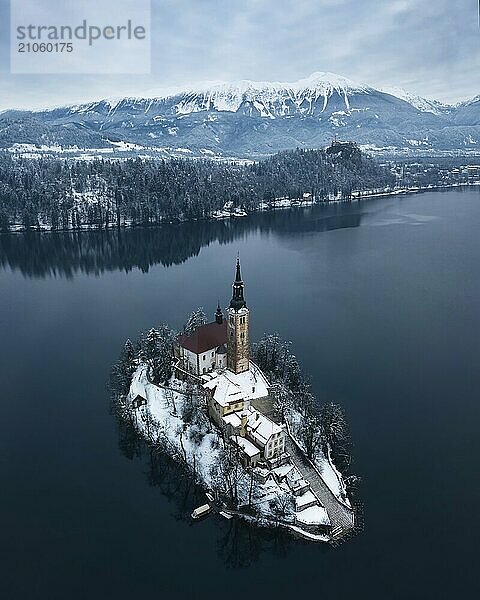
(292, 204)
(159, 421)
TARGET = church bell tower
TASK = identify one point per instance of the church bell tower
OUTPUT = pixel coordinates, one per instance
(237, 329)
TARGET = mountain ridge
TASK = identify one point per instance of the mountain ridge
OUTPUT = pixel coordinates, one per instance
(249, 119)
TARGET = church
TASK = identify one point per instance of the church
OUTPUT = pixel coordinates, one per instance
(217, 353)
(222, 343)
(205, 349)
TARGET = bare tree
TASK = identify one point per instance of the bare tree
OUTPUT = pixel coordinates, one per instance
(170, 398)
(336, 435)
(282, 399)
(310, 431)
(334, 427)
(281, 506)
(179, 432)
(228, 473)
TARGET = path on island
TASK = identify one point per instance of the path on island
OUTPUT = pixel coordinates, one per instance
(341, 517)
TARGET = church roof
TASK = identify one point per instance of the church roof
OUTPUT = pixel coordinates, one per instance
(204, 338)
(229, 388)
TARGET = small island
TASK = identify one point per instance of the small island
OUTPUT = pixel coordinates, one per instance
(243, 421)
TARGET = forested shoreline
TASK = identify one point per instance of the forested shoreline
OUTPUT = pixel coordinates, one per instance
(54, 194)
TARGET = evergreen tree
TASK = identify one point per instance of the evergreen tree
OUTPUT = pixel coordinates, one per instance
(57, 194)
(196, 319)
(124, 369)
(157, 353)
(150, 352)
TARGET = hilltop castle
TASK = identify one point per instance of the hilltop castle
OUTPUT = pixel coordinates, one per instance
(217, 354)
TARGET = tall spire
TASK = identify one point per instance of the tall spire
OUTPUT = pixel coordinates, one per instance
(237, 327)
(238, 301)
(219, 315)
(238, 277)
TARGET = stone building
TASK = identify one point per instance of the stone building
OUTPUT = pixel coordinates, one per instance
(220, 344)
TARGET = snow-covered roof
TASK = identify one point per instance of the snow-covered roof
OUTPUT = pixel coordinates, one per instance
(261, 428)
(263, 472)
(232, 419)
(304, 500)
(283, 470)
(314, 515)
(229, 388)
(246, 446)
(294, 475)
(295, 480)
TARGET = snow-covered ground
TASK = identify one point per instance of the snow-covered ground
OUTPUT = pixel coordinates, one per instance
(323, 464)
(165, 420)
(199, 443)
(332, 477)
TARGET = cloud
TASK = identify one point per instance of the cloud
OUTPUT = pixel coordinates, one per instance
(431, 48)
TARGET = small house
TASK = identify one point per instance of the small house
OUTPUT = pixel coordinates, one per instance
(139, 401)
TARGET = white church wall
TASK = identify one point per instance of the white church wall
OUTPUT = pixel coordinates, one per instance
(191, 360)
(207, 361)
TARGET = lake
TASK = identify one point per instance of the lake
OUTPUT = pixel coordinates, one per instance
(381, 302)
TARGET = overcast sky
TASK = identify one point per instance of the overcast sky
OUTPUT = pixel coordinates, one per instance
(430, 47)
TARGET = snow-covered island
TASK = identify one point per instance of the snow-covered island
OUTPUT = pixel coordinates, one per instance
(244, 422)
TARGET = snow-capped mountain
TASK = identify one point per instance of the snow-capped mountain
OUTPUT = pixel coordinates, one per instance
(250, 118)
(418, 102)
(272, 99)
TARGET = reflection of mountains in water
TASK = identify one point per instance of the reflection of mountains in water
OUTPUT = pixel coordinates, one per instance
(92, 252)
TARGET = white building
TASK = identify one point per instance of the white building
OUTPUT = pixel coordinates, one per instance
(205, 349)
(256, 428)
(266, 434)
(228, 392)
(250, 453)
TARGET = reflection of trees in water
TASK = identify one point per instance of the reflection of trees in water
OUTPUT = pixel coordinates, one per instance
(239, 543)
(161, 471)
(93, 252)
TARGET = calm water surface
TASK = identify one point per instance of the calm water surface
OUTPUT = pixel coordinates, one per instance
(381, 301)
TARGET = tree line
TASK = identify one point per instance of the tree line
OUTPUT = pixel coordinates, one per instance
(55, 194)
(318, 427)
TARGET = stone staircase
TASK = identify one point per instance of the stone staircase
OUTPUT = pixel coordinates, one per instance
(341, 517)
